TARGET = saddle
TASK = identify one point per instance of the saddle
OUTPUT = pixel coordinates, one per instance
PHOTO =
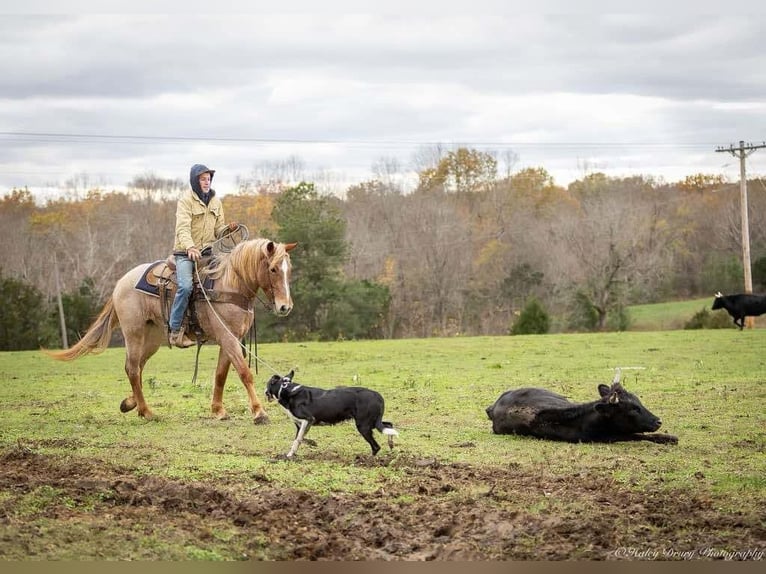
(159, 280)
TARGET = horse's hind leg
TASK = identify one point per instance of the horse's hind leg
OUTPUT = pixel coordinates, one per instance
(143, 337)
(136, 355)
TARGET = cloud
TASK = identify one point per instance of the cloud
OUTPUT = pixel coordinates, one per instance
(122, 94)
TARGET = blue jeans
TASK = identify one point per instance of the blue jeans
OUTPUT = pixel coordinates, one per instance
(184, 276)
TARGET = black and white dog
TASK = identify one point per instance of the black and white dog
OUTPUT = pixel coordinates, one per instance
(308, 406)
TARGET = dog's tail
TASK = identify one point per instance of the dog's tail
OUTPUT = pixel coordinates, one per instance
(387, 428)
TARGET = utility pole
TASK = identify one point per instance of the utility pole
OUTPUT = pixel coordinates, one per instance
(742, 152)
(62, 320)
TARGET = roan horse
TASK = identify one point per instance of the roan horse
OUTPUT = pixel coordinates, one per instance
(252, 265)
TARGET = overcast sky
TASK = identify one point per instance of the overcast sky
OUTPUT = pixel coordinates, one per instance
(116, 96)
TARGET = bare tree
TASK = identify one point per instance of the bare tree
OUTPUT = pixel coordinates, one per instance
(613, 240)
(153, 188)
(274, 176)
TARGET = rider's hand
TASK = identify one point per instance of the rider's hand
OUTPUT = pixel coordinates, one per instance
(233, 226)
(193, 253)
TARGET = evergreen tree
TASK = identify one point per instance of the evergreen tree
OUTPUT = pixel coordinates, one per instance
(24, 317)
(80, 308)
(533, 320)
(326, 305)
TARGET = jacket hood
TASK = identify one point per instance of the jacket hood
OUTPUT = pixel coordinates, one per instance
(197, 170)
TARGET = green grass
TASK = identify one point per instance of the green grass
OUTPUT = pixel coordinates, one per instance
(707, 386)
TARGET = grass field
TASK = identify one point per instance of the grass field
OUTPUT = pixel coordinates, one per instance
(709, 388)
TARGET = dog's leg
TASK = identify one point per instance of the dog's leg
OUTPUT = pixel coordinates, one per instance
(308, 441)
(366, 432)
(305, 424)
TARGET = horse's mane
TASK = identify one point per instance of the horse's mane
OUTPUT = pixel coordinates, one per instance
(239, 268)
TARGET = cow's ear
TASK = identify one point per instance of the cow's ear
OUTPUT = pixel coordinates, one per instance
(603, 390)
(290, 375)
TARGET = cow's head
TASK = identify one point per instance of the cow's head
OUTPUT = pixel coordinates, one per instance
(624, 411)
(718, 301)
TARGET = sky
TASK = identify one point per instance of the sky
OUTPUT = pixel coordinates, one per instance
(99, 99)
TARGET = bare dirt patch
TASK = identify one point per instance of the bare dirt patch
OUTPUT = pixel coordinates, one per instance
(437, 512)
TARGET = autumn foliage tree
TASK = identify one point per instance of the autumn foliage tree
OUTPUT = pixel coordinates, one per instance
(463, 253)
(459, 171)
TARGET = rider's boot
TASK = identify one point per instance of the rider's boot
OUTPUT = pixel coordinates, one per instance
(179, 339)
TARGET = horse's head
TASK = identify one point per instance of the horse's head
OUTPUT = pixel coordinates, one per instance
(274, 276)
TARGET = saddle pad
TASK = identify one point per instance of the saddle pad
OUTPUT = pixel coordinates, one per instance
(147, 283)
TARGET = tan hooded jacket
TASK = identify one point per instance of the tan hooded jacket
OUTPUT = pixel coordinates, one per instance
(197, 224)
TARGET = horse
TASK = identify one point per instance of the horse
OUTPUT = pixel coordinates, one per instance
(252, 265)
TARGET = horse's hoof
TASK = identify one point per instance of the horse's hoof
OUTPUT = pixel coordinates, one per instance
(147, 415)
(223, 416)
(127, 405)
(261, 419)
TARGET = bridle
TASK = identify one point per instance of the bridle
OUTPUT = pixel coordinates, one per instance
(269, 292)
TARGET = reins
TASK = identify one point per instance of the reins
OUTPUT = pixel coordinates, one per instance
(245, 351)
(254, 336)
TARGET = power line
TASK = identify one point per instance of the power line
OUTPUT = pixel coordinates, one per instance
(127, 138)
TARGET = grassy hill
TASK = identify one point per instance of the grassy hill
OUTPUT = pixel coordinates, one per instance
(667, 316)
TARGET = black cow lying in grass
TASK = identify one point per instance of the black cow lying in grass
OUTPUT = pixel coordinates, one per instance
(308, 406)
(617, 416)
(740, 306)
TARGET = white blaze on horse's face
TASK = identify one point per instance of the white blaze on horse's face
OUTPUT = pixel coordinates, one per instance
(286, 279)
(284, 307)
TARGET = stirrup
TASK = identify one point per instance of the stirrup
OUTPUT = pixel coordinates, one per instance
(180, 340)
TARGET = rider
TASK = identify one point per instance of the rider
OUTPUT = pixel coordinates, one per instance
(199, 222)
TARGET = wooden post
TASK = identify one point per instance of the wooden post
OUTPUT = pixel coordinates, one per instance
(62, 319)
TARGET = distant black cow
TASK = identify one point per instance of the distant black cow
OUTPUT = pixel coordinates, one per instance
(740, 306)
(617, 416)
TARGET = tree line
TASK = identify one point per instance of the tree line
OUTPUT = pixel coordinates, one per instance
(464, 253)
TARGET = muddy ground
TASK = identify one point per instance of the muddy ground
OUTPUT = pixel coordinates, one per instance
(438, 512)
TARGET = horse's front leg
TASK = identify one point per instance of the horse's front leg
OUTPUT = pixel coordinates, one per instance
(230, 355)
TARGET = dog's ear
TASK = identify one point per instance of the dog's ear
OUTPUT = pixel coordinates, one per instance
(290, 375)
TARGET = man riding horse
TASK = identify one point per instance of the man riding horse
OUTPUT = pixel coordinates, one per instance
(199, 222)
(239, 274)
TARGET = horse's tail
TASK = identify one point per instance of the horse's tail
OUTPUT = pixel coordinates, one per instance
(95, 340)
